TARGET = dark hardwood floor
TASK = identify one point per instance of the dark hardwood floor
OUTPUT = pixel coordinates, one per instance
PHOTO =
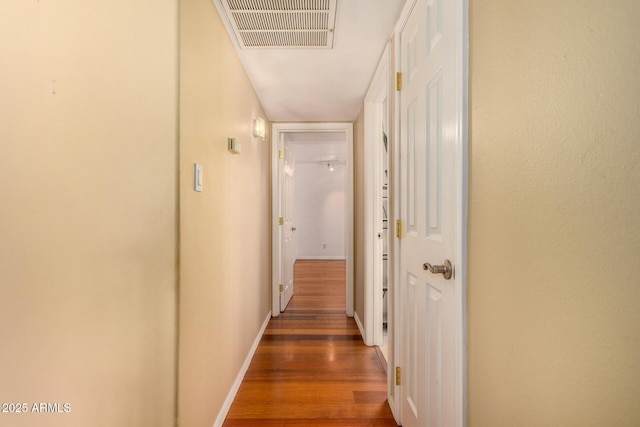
(311, 367)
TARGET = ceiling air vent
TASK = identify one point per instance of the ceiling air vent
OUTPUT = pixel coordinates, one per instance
(261, 24)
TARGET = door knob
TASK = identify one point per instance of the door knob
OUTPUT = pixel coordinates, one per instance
(293, 229)
(446, 270)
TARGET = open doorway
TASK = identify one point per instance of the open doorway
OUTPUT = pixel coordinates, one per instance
(377, 213)
(319, 195)
(312, 183)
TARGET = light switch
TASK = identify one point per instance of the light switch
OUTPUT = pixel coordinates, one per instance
(197, 177)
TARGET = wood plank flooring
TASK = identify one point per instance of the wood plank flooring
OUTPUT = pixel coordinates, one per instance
(311, 367)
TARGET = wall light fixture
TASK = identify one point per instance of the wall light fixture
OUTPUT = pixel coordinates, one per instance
(259, 128)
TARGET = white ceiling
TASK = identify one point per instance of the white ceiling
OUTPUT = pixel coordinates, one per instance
(312, 85)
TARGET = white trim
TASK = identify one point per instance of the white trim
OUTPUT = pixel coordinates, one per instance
(395, 403)
(321, 258)
(374, 114)
(224, 411)
(277, 143)
(402, 21)
(360, 327)
(395, 398)
(462, 155)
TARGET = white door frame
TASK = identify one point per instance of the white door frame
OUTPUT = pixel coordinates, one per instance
(374, 114)
(461, 196)
(277, 141)
(379, 90)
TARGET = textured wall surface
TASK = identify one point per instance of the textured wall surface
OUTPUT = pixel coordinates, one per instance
(554, 236)
(88, 165)
(358, 213)
(225, 241)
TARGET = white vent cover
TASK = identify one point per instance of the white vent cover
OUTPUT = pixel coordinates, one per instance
(260, 24)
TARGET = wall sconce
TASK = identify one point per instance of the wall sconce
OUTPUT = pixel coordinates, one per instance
(259, 128)
(330, 166)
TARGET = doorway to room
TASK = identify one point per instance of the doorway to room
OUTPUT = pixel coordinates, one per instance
(312, 176)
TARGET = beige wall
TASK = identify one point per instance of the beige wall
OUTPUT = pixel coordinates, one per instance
(225, 230)
(358, 213)
(88, 127)
(554, 237)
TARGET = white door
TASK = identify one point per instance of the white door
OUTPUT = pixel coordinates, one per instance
(431, 306)
(288, 230)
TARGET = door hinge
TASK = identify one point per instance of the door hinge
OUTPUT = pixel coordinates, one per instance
(281, 221)
(281, 154)
(399, 229)
(281, 288)
(399, 81)
(398, 375)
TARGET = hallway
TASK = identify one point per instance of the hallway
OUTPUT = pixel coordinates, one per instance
(312, 367)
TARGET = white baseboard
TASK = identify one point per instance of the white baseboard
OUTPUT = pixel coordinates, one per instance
(243, 370)
(341, 258)
(359, 323)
